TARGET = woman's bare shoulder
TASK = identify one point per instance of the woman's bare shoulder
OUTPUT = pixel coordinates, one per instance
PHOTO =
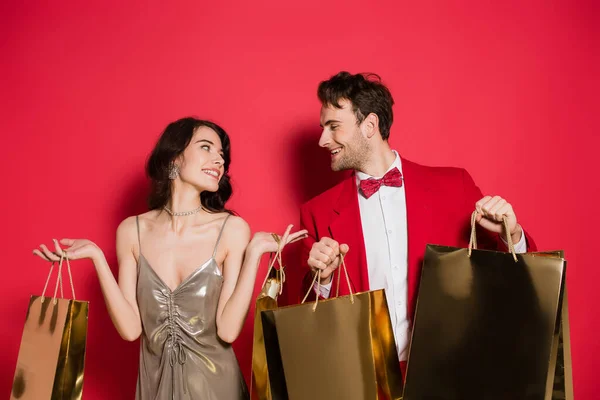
(129, 226)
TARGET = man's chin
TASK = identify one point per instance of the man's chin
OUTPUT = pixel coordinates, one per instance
(337, 167)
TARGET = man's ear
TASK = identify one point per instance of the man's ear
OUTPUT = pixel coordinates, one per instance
(371, 125)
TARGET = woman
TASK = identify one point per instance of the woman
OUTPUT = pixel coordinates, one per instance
(186, 269)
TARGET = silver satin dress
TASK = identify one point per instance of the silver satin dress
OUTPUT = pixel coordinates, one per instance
(181, 356)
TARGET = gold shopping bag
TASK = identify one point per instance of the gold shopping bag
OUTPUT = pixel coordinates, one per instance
(339, 348)
(490, 325)
(260, 387)
(52, 352)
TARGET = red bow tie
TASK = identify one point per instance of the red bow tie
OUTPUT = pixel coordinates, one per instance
(392, 178)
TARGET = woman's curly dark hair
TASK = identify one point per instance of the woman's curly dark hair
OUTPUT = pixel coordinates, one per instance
(170, 145)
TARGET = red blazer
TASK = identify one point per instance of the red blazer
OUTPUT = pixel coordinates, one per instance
(439, 204)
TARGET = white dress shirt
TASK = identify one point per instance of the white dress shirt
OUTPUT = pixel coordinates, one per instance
(383, 217)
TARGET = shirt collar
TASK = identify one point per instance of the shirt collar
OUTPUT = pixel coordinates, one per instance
(360, 176)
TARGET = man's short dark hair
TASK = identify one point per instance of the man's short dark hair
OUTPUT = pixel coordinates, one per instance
(366, 93)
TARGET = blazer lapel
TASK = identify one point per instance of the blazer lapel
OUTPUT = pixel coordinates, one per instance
(419, 217)
(346, 228)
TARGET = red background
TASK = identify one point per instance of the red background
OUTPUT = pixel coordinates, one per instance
(506, 89)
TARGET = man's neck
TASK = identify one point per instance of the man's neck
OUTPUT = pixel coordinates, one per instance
(379, 161)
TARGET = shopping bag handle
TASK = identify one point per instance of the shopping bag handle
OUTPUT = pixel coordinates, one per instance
(272, 260)
(63, 256)
(317, 278)
(473, 239)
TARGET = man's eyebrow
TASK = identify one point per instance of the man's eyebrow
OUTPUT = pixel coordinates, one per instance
(329, 122)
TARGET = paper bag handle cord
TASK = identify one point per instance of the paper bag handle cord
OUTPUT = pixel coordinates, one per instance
(63, 257)
(473, 238)
(277, 258)
(317, 278)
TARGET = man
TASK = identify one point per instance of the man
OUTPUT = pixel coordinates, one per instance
(385, 214)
